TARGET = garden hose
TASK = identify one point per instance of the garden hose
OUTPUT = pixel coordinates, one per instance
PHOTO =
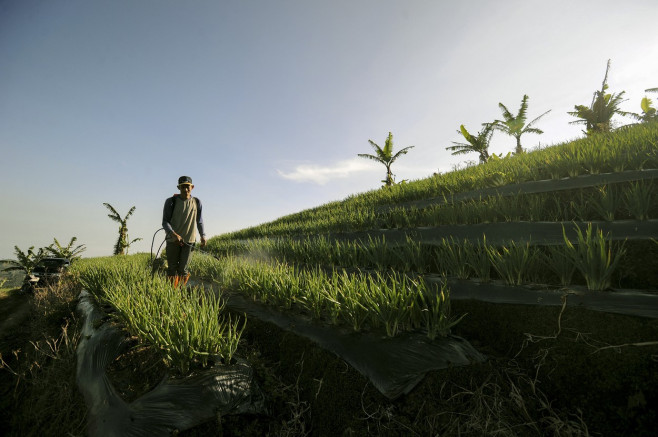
(192, 245)
(157, 253)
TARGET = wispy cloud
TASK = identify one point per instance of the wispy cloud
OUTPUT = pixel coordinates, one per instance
(322, 174)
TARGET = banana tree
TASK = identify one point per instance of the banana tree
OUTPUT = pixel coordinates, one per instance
(68, 251)
(648, 111)
(597, 118)
(122, 244)
(386, 157)
(25, 261)
(516, 126)
(478, 144)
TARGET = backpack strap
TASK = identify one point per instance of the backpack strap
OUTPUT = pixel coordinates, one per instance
(173, 200)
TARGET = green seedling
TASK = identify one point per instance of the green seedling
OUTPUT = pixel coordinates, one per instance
(606, 202)
(639, 199)
(592, 256)
(512, 260)
(478, 259)
(452, 258)
(559, 262)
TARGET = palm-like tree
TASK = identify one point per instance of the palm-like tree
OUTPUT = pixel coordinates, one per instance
(479, 143)
(122, 244)
(649, 112)
(597, 117)
(386, 157)
(25, 261)
(516, 126)
(68, 251)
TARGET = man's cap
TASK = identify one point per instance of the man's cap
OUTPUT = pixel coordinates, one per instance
(183, 180)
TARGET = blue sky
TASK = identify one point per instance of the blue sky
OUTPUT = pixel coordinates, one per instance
(266, 104)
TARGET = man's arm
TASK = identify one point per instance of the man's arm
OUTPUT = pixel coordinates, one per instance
(199, 222)
(167, 212)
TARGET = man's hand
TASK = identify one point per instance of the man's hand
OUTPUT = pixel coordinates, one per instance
(179, 239)
(203, 241)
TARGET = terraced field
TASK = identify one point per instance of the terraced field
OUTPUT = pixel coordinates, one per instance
(516, 297)
(514, 249)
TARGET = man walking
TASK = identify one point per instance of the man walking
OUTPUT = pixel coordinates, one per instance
(180, 219)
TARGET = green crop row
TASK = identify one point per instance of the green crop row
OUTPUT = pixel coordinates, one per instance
(592, 255)
(633, 148)
(631, 200)
(621, 201)
(186, 327)
(391, 302)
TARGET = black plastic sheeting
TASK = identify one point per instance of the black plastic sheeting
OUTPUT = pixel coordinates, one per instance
(534, 187)
(393, 365)
(536, 233)
(175, 404)
(629, 302)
